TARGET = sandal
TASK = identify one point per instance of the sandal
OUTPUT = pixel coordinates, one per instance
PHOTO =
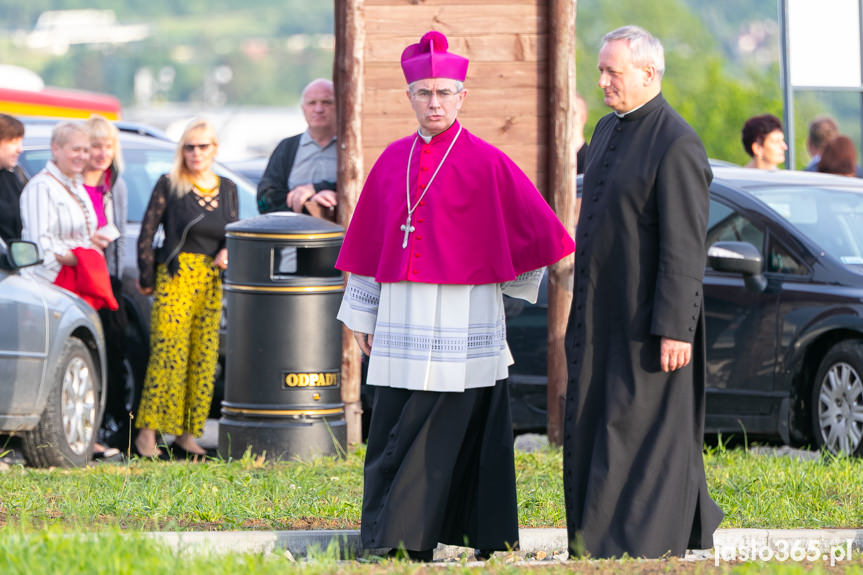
(109, 455)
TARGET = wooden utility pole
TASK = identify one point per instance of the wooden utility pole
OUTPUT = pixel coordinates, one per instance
(561, 196)
(348, 76)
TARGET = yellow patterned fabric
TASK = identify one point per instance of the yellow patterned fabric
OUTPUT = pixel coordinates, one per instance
(184, 347)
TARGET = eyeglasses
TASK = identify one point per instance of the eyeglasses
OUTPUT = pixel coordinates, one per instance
(426, 95)
(192, 147)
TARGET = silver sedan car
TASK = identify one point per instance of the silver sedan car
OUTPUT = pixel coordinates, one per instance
(52, 364)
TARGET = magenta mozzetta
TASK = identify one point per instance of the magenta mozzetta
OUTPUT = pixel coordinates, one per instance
(499, 229)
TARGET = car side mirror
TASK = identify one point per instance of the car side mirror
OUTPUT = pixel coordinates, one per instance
(22, 254)
(741, 258)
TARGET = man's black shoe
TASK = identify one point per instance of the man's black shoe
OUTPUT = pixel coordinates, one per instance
(426, 556)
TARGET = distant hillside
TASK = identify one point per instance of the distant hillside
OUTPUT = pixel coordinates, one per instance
(214, 52)
(746, 30)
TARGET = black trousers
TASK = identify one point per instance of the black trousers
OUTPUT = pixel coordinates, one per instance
(439, 468)
(115, 422)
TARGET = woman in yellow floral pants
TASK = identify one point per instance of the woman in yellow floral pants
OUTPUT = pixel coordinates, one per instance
(184, 347)
(192, 205)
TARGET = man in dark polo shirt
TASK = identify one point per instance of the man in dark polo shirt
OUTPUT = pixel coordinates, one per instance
(301, 173)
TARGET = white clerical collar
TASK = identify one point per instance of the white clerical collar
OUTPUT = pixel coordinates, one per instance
(428, 139)
(623, 115)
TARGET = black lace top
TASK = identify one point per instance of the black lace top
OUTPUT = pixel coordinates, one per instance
(177, 214)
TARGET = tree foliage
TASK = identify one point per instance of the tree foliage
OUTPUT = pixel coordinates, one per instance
(258, 40)
(190, 39)
(696, 82)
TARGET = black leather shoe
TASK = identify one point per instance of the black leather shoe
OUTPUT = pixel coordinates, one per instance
(426, 556)
(483, 554)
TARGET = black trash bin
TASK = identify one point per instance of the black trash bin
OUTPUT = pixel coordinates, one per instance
(283, 342)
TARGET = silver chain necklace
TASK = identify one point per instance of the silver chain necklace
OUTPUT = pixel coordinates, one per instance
(407, 228)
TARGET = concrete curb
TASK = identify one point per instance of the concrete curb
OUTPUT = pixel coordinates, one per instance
(730, 544)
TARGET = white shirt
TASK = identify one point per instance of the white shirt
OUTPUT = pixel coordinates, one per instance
(54, 219)
(434, 337)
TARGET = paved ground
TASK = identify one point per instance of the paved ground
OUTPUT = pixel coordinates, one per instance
(535, 544)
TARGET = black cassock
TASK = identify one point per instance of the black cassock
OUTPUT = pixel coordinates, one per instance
(633, 469)
(440, 468)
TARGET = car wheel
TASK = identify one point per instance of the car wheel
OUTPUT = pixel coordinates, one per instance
(66, 431)
(837, 400)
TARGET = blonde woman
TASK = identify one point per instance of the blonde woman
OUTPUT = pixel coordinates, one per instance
(109, 196)
(193, 205)
(56, 212)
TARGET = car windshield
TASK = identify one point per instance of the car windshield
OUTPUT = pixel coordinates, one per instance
(142, 170)
(830, 217)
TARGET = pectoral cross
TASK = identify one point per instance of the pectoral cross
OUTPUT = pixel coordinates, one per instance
(407, 228)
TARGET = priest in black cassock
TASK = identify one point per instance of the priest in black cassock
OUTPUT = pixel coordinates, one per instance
(634, 478)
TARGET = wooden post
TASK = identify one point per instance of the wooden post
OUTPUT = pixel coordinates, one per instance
(561, 197)
(348, 77)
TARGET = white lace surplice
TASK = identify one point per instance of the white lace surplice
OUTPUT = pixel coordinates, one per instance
(434, 337)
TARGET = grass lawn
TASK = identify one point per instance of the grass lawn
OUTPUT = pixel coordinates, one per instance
(754, 491)
(47, 517)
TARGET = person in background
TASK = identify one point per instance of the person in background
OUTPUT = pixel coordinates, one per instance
(12, 179)
(838, 156)
(57, 214)
(56, 211)
(193, 205)
(821, 130)
(109, 198)
(764, 140)
(301, 173)
(580, 121)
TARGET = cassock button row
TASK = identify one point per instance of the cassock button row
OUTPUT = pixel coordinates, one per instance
(415, 271)
(419, 220)
(612, 147)
(416, 254)
(422, 203)
(692, 328)
(426, 151)
(419, 237)
(589, 216)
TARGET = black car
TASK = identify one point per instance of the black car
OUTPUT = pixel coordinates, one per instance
(784, 309)
(147, 154)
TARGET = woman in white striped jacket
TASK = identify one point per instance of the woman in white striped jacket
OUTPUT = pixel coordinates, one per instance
(56, 211)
